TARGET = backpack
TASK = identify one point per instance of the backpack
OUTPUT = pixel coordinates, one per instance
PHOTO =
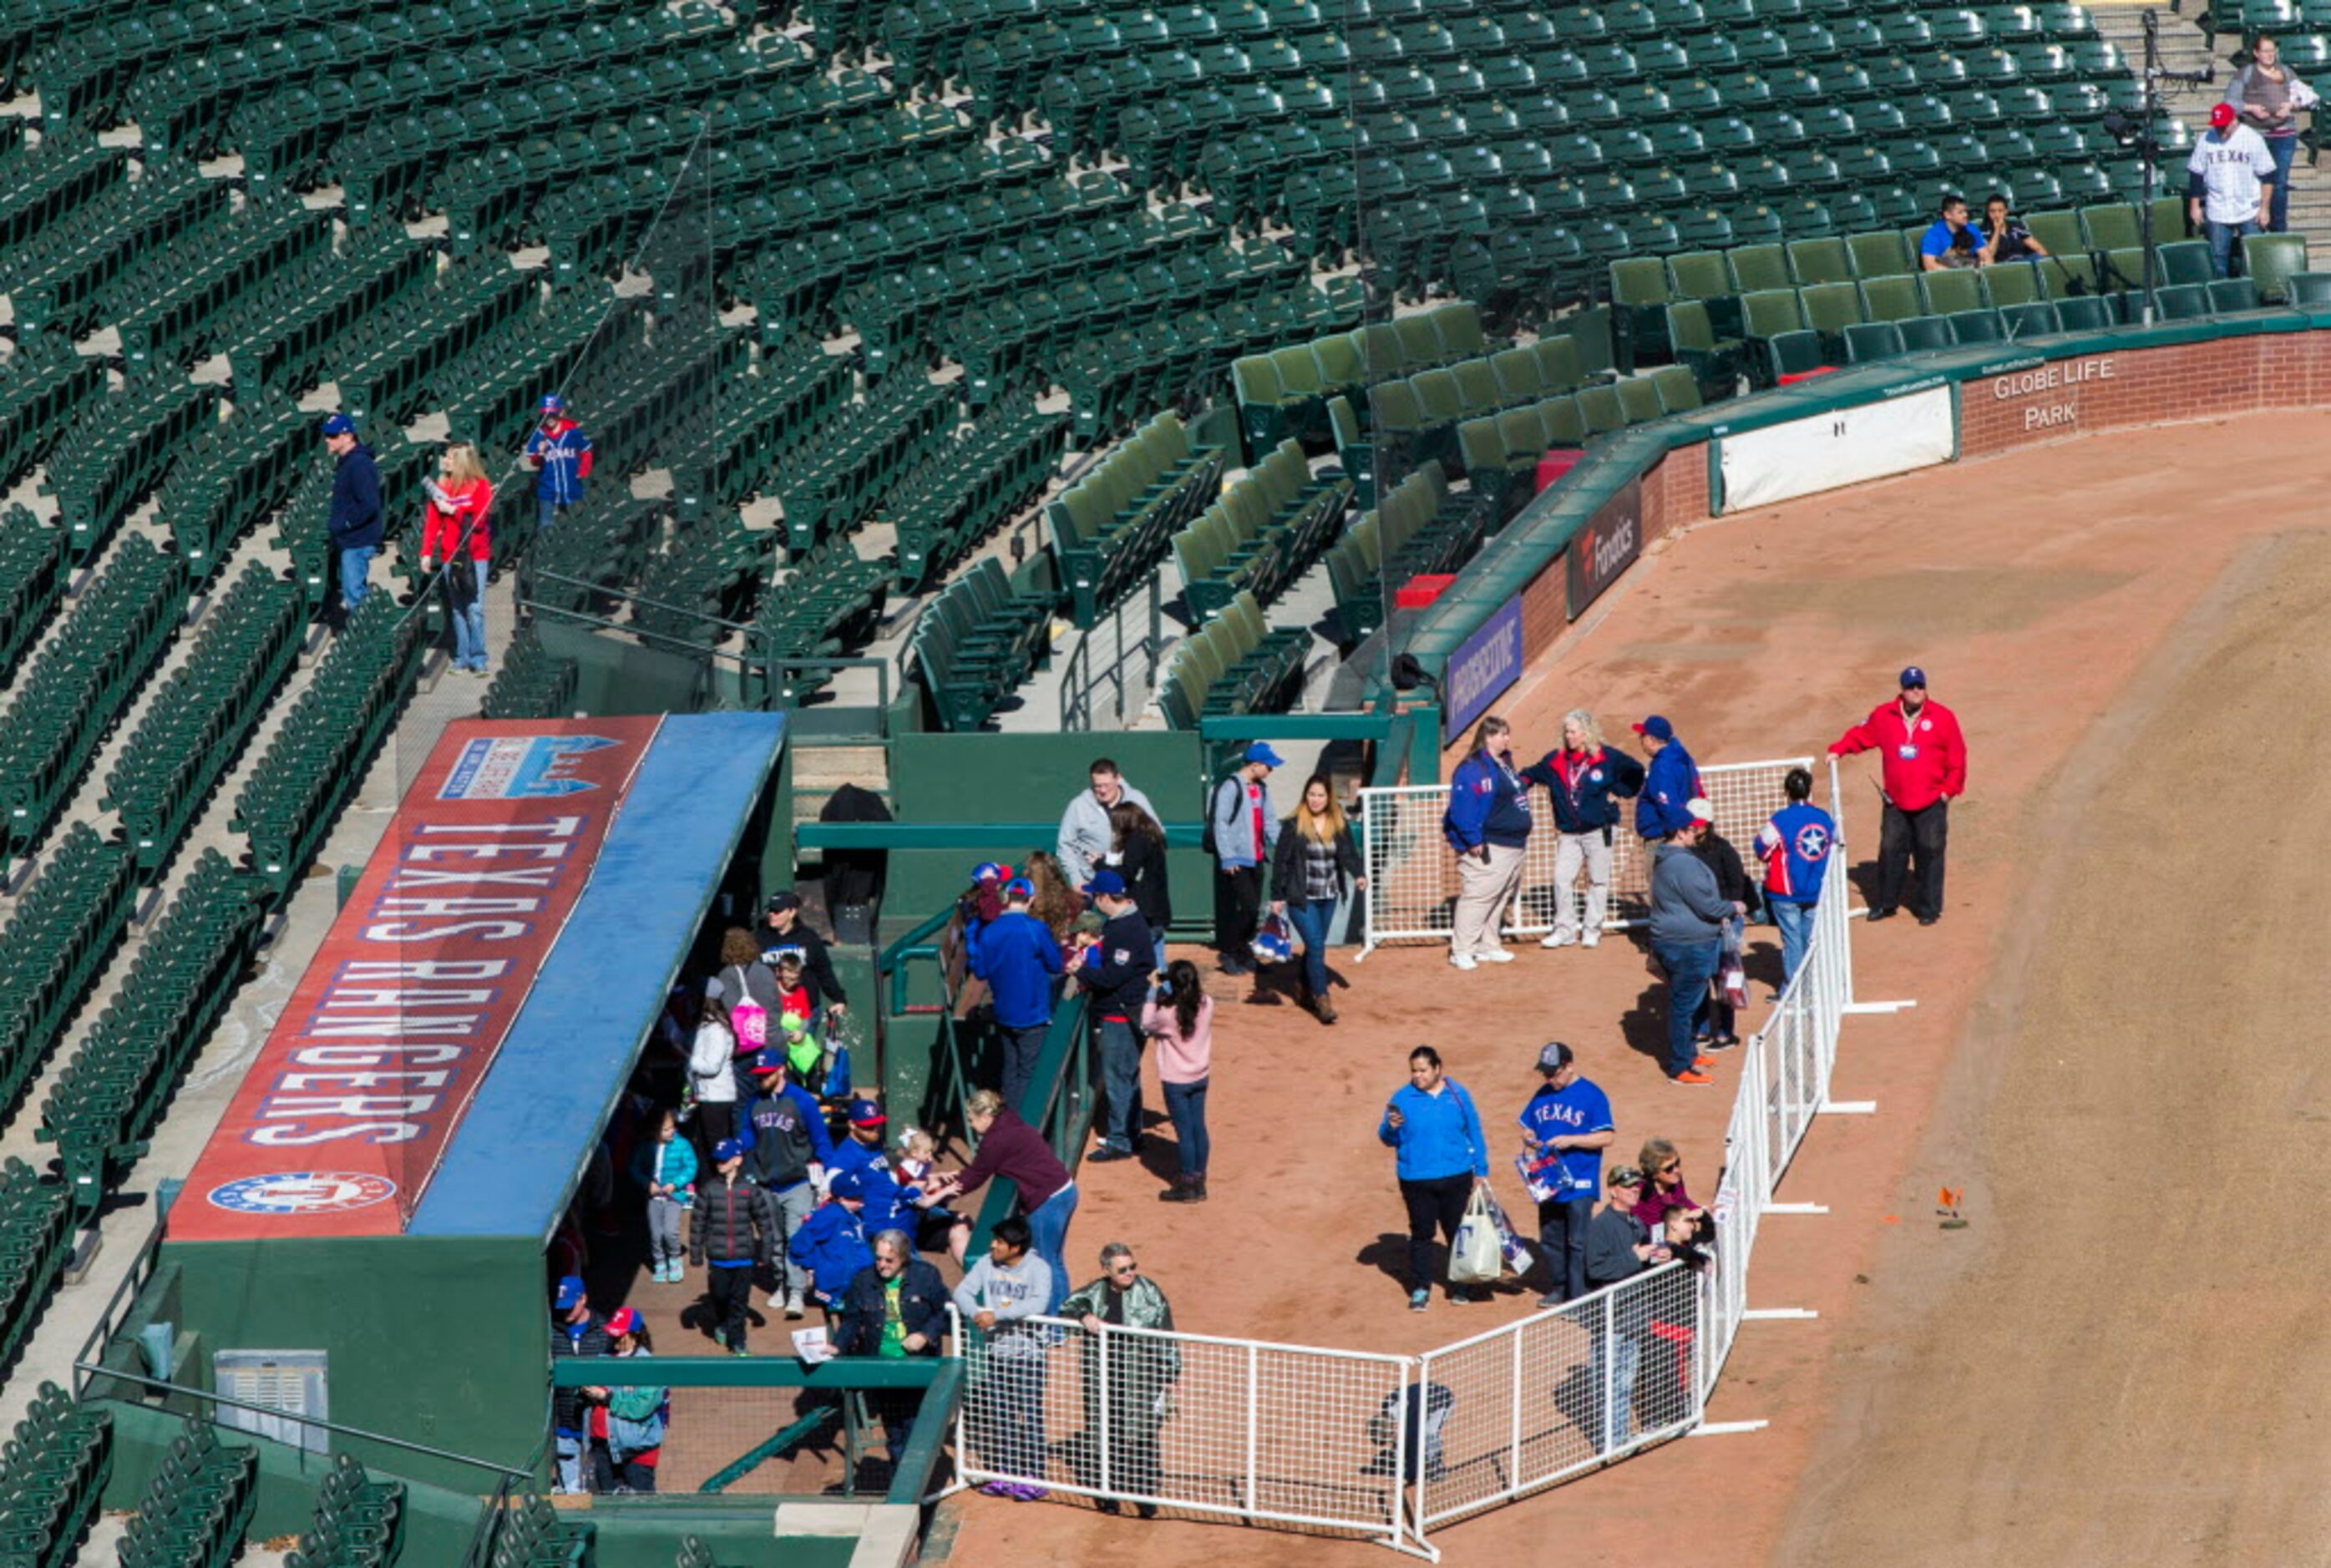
(748, 1018)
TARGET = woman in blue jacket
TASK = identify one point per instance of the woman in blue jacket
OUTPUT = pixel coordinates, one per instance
(1487, 825)
(1435, 1131)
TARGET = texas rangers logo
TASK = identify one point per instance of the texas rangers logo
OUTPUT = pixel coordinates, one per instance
(1811, 842)
(506, 767)
(303, 1193)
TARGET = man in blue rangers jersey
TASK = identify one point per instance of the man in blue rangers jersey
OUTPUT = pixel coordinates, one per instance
(1671, 782)
(1797, 846)
(1566, 1127)
(562, 453)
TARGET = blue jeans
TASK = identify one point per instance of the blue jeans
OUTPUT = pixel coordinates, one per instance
(465, 607)
(1690, 967)
(547, 511)
(570, 1463)
(356, 573)
(2221, 244)
(1624, 1355)
(1048, 1234)
(1796, 923)
(1311, 921)
(2282, 147)
(1121, 1083)
(1186, 1104)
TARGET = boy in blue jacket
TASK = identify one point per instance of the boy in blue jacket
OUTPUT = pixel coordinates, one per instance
(831, 1242)
(1671, 782)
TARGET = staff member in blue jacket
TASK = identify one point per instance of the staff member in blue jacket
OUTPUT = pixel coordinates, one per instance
(1670, 783)
(1586, 780)
(1431, 1124)
(1488, 823)
(355, 520)
(1115, 971)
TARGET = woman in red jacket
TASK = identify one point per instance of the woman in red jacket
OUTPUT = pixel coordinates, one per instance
(1922, 764)
(454, 532)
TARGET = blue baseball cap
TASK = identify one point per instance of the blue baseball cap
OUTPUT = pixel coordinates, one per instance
(570, 1293)
(727, 1149)
(554, 404)
(1260, 752)
(864, 1113)
(991, 872)
(1657, 727)
(338, 424)
(770, 1059)
(1019, 888)
(1914, 676)
(1104, 881)
(846, 1185)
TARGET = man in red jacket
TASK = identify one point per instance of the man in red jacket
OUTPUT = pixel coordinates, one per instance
(1925, 767)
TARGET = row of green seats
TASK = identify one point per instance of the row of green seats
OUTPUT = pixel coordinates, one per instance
(1264, 534)
(40, 183)
(531, 684)
(826, 606)
(119, 450)
(706, 579)
(756, 420)
(358, 1522)
(44, 386)
(208, 275)
(841, 469)
(1286, 390)
(319, 757)
(1501, 451)
(1233, 664)
(182, 104)
(1420, 528)
(893, 311)
(998, 464)
(59, 940)
(976, 642)
(1414, 418)
(598, 550)
(194, 1514)
(289, 139)
(233, 473)
(204, 712)
(109, 1099)
(53, 1477)
(59, 281)
(534, 1534)
(793, 277)
(1111, 380)
(36, 1241)
(388, 362)
(79, 684)
(33, 576)
(1111, 527)
(286, 334)
(493, 392)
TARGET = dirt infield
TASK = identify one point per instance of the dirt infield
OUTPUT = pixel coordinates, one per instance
(2038, 1387)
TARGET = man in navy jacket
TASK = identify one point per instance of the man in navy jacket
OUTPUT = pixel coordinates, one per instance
(1671, 782)
(1115, 971)
(355, 520)
(895, 1309)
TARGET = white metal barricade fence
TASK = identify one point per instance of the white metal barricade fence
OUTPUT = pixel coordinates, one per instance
(1413, 874)
(1387, 1447)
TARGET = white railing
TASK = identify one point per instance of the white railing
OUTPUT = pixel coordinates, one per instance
(1413, 873)
(1389, 1447)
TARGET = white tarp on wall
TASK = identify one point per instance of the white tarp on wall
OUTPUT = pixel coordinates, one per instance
(1839, 447)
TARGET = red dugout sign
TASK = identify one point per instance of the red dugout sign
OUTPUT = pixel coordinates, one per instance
(340, 1121)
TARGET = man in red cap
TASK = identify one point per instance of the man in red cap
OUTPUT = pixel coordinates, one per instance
(2228, 185)
(1924, 768)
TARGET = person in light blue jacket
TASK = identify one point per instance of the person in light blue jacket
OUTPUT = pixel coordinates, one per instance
(1431, 1127)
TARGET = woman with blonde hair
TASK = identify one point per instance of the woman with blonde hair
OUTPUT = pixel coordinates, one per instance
(1488, 825)
(1315, 864)
(454, 531)
(1586, 780)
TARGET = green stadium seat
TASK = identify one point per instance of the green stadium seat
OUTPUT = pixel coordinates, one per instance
(2110, 226)
(1639, 398)
(1602, 410)
(2184, 301)
(2083, 313)
(2308, 289)
(1868, 340)
(2185, 262)
(2013, 283)
(1678, 387)
(1972, 327)
(1880, 255)
(1823, 261)
(2272, 260)
(1758, 268)
(2230, 295)
(1952, 291)
(1922, 333)
(1793, 353)
(2037, 320)
(1714, 360)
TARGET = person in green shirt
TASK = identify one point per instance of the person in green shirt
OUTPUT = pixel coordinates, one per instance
(895, 1309)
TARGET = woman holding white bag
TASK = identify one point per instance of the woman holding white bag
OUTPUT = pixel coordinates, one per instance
(1430, 1123)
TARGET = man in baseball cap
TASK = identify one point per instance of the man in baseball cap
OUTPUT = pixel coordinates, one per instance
(1115, 971)
(561, 452)
(1243, 829)
(2236, 177)
(355, 521)
(1922, 768)
(789, 933)
(1670, 781)
(1566, 1127)
(1020, 959)
(575, 1331)
(860, 1153)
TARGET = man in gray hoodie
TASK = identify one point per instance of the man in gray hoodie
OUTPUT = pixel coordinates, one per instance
(1688, 916)
(1085, 834)
(1000, 1298)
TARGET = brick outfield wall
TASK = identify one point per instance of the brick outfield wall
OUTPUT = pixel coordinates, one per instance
(2054, 400)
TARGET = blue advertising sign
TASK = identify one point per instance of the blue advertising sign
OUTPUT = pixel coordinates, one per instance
(1481, 668)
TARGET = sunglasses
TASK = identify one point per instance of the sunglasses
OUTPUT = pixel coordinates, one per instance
(1126, 1269)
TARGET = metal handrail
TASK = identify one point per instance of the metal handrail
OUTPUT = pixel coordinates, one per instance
(140, 1270)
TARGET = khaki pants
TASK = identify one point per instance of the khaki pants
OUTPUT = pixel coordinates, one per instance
(1484, 892)
(1595, 849)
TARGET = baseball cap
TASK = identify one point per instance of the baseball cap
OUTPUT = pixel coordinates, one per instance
(2221, 116)
(1623, 1176)
(1701, 810)
(769, 1058)
(727, 1149)
(624, 1320)
(1104, 881)
(1914, 676)
(846, 1185)
(866, 1114)
(782, 899)
(570, 1293)
(338, 424)
(1260, 752)
(554, 404)
(991, 872)
(1018, 887)
(1090, 920)
(1657, 727)
(1553, 1055)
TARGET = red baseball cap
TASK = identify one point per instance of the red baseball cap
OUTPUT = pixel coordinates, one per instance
(2221, 115)
(624, 1320)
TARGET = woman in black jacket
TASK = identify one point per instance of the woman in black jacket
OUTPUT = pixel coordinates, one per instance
(1732, 885)
(1138, 853)
(900, 1299)
(1314, 864)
